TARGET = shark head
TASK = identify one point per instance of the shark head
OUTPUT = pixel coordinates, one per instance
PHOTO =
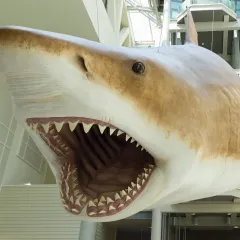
(112, 122)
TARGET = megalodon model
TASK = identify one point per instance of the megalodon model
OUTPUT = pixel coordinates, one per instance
(125, 129)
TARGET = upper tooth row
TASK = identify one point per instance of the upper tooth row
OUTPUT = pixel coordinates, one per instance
(86, 127)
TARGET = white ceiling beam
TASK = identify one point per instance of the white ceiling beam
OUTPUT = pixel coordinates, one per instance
(206, 26)
(213, 207)
(111, 10)
(225, 37)
(119, 10)
(123, 35)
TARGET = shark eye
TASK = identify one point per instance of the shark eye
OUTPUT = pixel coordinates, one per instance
(138, 68)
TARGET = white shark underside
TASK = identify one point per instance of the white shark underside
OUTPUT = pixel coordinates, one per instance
(183, 108)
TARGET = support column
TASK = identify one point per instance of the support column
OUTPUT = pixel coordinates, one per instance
(235, 51)
(178, 38)
(156, 232)
(88, 230)
(165, 25)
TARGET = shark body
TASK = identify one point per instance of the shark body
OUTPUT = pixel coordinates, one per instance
(166, 120)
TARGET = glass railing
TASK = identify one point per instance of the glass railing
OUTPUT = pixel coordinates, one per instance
(177, 7)
(230, 4)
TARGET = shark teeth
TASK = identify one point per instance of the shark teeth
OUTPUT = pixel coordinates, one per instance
(73, 125)
(101, 128)
(59, 126)
(86, 127)
(104, 205)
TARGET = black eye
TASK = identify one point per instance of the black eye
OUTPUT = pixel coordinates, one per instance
(138, 67)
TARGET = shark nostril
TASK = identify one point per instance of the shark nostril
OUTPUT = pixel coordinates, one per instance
(82, 63)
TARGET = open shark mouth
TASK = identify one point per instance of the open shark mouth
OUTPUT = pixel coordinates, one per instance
(103, 169)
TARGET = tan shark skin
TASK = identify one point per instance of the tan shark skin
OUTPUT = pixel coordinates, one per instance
(207, 117)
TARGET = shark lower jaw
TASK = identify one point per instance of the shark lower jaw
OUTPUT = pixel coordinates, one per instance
(102, 169)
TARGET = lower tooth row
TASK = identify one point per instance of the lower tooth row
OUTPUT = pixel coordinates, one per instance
(125, 195)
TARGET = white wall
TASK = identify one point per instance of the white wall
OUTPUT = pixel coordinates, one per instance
(13, 169)
(35, 213)
(63, 16)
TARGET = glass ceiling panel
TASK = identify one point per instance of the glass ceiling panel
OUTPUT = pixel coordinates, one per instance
(145, 32)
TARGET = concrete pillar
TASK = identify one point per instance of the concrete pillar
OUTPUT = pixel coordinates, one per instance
(88, 230)
(178, 38)
(165, 25)
(156, 232)
(235, 51)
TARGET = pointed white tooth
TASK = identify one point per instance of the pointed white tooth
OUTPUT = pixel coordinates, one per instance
(75, 210)
(111, 131)
(79, 196)
(134, 193)
(91, 204)
(84, 199)
(95, 200)
(46, 127)
(143, 181)
(77, 202)
(92, 213)
(103, 212)
(112, 208)
(127, 137)
(86, 127)
(72, 125)
(129, 189)
(71, 199)
(146, 175)
(132, 140)
(35, 125)
(133, 184)
(102, 199)
(138, 180)
(150, 170)
(128, 198)
(142, 149)
(145, 170)
(143, 175)
(151, 166)
(67, 188)
(119, 132)
(138, 187)
(121, 205)
(66, 206)
(101, 204)
(117, 196)
(109, 200)
(59, 126)
(123, 193)
(101, 128)
(137, 144)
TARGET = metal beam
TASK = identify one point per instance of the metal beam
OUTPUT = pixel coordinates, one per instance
(123, 35)
(225, 37)
(139, 8)
(206, 26)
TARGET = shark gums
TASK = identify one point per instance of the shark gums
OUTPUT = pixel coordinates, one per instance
(125, 129)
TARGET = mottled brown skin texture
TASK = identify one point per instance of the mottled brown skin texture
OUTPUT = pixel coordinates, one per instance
(207, 118)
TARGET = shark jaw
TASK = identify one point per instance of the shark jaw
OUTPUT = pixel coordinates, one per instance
(102, 169)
